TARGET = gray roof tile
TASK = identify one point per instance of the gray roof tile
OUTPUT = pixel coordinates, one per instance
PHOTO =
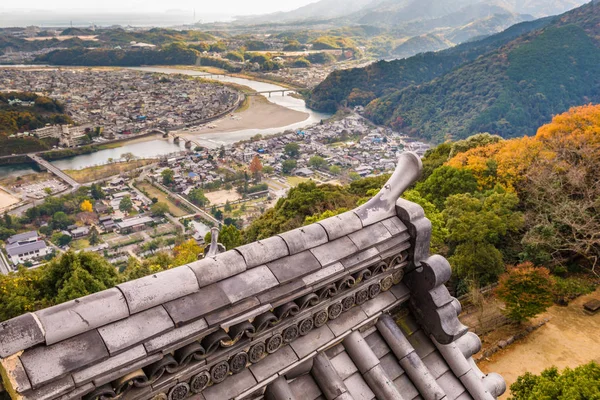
(78, 316)
(274, 363)
(193, 306)
(304, 238)
(358, 388)
(331, 252)
(52, 390)
(305, 388)
(240, 383)
(289, 268)
(263, 251)
(363, 259)
(322, 274)
(153, 290)
(406, 387)
(390, 363)
(119, 373)
(316, 338)
(15, 373)
(213, 269)
(343, 365)
(138, 328)
(18, 334)
(451, 385)
(377, 344)
(175, 336)
(347, 320)
(116, 362)
(45, 364)
(79, 392)
(282, 292)
(218, 317)
(370, 236)
(248, 283)
(394, 226)
(341, 225)
(378, 304)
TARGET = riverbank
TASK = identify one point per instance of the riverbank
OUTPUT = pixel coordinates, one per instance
(259, 114)
(95, 173)
(569, 339)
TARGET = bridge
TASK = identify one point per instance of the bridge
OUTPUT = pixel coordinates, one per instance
(177, 139)
(270, 92)
(56, 171)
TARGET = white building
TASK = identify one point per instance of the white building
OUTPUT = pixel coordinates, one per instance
(26, 247)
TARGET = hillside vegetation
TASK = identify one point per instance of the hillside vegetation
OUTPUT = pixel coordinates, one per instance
(504, 84)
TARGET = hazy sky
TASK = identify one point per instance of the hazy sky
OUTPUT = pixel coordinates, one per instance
(230, 7)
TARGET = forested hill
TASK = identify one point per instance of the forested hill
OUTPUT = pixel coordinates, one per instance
(508, 84)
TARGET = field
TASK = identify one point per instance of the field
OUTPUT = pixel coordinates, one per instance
(569, 339)
(222, 196)
(152, 191)
(105, 171)
(6, 199)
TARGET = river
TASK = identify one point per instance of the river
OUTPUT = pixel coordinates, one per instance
(159, 146)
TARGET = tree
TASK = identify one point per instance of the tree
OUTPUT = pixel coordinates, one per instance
(228, 207)
(168, 176)
(581, 383)
(97, 192)
(64, 240)
(186, 252)
(267, 169)
(128, 156)
(126, 205)
(94, 236)
(317, 162)
(60, 220)
(335, 170)
(292, 149)
(229, 236)
(288, 166)
(444, 182)
(526, 290)
(159, 208)
(86, 206)
(197, 197)
(354, 176)
(256, 168)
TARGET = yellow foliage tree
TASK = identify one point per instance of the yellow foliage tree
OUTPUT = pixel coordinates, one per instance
(185, 253)
(86, 206)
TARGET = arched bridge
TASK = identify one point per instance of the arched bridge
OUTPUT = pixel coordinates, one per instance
(177, 139)
(270, 92)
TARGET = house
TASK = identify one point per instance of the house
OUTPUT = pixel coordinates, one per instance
(135, 224)
(306, 172)
(80, 232)
(26, 237)
(20, 253)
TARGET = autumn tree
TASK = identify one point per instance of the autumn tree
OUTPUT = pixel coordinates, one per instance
(186, 252)
(256, 168)
(526, 290)
(86, 206)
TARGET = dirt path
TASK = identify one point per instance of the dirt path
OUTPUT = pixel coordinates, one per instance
(569, 339)
(6, 199)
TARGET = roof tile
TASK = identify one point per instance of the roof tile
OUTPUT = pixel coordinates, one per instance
(45, 364)
(289, 268)
(213, 269)
(242, 381)
(217, 317)
(304, 238)
(263, 251)
(394, 225)
(249, 283)
(341, 225)
(18, 334)
(274, 363)
(116, 362)
(78, 316)
(195, 305)
(153, 290)
(172, 337)
(370, 236)
(331, 252)
(121, 335)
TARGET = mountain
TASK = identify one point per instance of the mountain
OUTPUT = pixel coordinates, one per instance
(420, 44)
(508, 84)
(395, 12)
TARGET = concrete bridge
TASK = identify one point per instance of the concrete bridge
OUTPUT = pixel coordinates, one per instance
(270, 92)
(56, 171)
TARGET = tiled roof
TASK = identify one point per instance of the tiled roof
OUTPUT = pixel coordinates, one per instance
(21, 237)
(279, 314)
(18, 249)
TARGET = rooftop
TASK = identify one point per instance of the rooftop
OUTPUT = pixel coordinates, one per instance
(17, 249)
(22, 237)
(306, 314)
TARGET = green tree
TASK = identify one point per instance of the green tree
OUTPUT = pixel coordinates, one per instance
(444, 182)
(97, 192)
(229, 236)
(317, 162)
(526, 290)
(168, 176)
(292, 149)
(63, 239)
(335, 170)
(61, 220)
(159, 208)
(126, 205)
(438, 224)
(227, 207)
(288, 166)
(581, 383)
(435, 158)
(197, 197)
(94, 236)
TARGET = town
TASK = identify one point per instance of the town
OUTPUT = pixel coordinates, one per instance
(123, 102)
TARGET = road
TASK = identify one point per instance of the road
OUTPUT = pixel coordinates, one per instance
(4, 265)
(56, 171)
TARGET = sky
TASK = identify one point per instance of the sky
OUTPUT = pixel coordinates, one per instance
(226, 7)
